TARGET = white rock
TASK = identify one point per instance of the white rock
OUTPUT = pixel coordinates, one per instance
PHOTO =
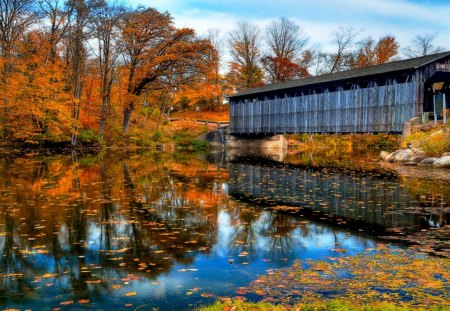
(383, 155)
(390, 157)
(404, 155)
(427, 161)
(443, 162)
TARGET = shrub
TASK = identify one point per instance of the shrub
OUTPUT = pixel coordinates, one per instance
(200, 145)
(433, 143)
(89, 138)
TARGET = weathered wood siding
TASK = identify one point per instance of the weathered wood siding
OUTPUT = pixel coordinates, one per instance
(376, 108)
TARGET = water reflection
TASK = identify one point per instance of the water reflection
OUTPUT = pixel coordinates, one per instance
(370, 200)
(117, 231)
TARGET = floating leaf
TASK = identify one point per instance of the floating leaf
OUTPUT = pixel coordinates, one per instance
(129, 294)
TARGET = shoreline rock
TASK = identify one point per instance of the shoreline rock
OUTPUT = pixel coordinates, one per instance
(443, 162)
(428, 161)
(413, 157)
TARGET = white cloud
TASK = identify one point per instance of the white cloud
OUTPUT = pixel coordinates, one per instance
(400, 18)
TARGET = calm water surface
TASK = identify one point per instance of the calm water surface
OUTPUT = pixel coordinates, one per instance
(119, 231)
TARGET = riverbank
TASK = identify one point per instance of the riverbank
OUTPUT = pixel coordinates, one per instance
(429, 145)
(335, 305)
(381, 278)
(170, 135)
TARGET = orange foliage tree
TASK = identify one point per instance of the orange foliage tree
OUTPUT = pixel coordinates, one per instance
(371, 53)
(38, 104)
(158, 55)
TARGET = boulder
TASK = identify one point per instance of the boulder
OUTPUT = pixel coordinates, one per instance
(427, 161)
(417, 159)
(404, 155)
(390, 157)
(443, 162)
(383, 155)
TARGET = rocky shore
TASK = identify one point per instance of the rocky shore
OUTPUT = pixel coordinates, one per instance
(415, 156)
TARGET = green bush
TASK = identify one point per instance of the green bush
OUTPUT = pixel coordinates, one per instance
(89, 138)
(200, 145)
(157, 136)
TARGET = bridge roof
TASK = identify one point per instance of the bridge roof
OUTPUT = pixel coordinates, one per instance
(397, 66)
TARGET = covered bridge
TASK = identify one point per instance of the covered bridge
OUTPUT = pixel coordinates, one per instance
(367, 100)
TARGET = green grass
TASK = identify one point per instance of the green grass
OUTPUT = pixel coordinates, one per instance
(334, 305)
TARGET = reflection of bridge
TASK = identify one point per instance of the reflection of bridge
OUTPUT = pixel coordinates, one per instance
(374, 99)
(369, 199)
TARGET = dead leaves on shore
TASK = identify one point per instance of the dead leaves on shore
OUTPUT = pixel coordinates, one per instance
(393, 275)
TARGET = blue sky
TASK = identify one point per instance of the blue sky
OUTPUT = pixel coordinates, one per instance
(401, 18)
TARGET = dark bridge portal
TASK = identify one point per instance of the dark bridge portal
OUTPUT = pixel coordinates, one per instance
(367, 100)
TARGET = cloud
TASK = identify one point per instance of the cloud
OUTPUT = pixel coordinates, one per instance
(401, 18)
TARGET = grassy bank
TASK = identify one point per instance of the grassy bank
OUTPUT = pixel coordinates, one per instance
(168, 135)
(433, 139)
(335, 305)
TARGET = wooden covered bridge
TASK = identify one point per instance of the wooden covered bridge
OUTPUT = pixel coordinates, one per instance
(368, 100)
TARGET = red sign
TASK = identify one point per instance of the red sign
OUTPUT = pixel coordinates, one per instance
(442, 67)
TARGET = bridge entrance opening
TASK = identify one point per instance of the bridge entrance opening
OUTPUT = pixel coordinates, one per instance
(437, 97)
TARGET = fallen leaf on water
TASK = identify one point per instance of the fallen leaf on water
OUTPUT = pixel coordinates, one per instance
(83, 301)
(128, 294)
(68, 302)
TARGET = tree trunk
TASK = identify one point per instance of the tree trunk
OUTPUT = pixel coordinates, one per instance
(127, 116)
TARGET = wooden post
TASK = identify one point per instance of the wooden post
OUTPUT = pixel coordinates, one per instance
(434, 108)
(444, 108)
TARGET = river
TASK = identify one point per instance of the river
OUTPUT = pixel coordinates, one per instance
(144, 230)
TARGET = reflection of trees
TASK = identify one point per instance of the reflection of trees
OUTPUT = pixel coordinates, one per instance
(13, 265)
(82, 226)
(245, 233)
(277, 229)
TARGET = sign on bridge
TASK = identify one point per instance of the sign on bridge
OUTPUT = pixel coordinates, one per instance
(443, 67)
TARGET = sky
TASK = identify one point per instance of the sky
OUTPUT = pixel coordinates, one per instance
(403, 19)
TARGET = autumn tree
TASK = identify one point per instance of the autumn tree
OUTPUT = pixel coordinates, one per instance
(288, 58)
(214, 79)
(158, 55)
(245, 70)
(39, 107)
(76, 54)
(209, 90)
(16, 17)
(422, 45)
(57, 14)
(344, 40)
(104, 27)
(375, 53)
